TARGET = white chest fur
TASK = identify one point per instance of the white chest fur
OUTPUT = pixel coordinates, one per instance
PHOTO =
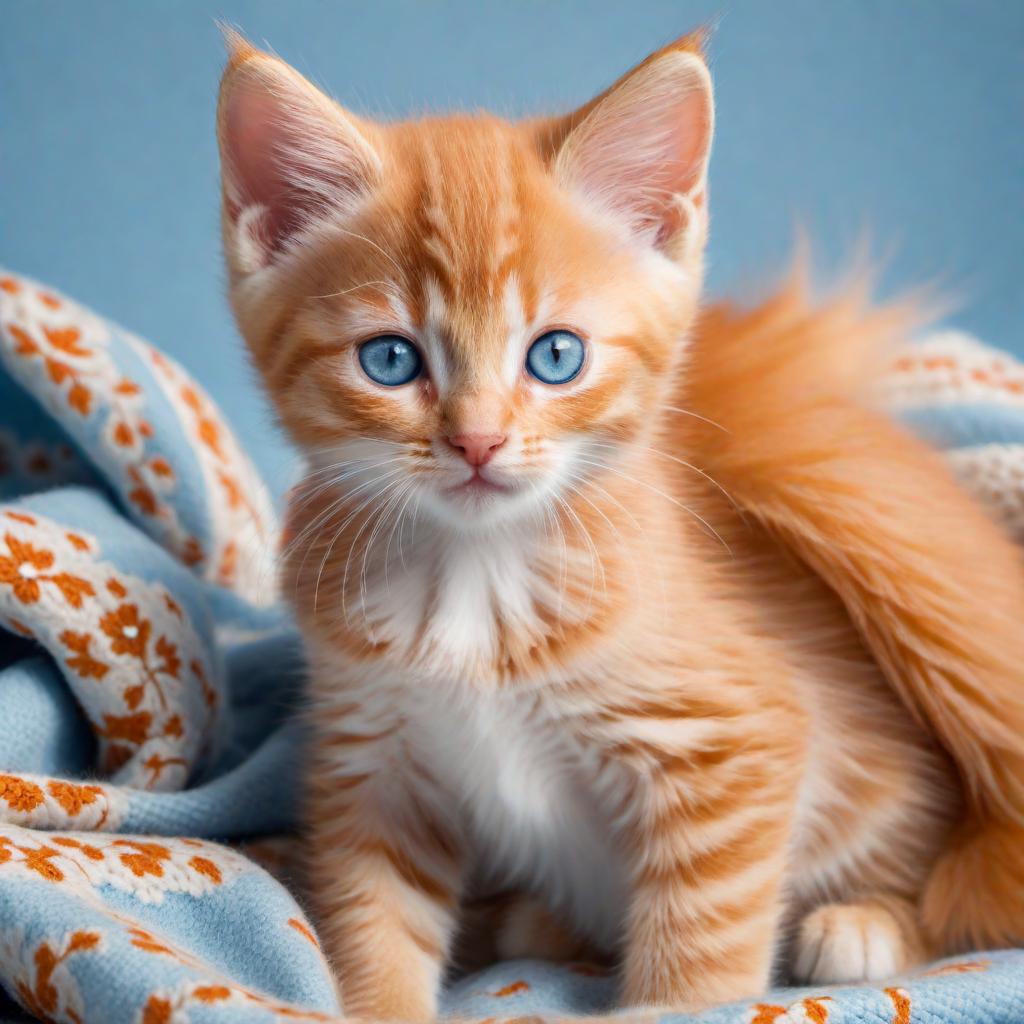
(527, 802)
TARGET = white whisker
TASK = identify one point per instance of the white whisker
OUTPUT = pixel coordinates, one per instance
(341, 529)
(383, 516)
(643, 483)
(354, 288)
(682, 462)
(410, 493)
(326, 514)
(696, 416)
(371, 242)
(355, 540)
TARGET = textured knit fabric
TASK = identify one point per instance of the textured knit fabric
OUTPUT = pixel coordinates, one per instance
(149, 681)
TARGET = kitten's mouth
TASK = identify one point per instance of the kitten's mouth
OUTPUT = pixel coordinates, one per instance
(479, 485)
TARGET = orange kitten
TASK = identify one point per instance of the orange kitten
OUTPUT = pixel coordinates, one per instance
(645, 614)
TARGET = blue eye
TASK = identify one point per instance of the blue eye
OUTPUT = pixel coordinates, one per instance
(556, 357)
(390, 360)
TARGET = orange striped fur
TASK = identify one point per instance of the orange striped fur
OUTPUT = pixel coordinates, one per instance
(710, 658)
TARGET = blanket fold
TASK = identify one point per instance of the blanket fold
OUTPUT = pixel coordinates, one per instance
(150, 683)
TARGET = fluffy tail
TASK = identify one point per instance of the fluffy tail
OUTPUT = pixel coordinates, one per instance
(933, 585)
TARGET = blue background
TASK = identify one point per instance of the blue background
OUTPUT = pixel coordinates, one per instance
(899, 122)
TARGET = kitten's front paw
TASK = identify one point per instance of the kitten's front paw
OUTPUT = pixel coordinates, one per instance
(850, 942)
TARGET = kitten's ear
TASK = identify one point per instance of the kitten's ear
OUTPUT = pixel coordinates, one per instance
(288, 154)
(641, 148)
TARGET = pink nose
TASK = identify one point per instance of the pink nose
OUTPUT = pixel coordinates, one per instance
(477, 449)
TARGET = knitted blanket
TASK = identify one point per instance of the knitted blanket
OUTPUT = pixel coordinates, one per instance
(147, 679)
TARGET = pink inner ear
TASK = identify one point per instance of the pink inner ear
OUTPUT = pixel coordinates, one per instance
(663, 149)
(686, 131)
(646, 143)
(256, 146)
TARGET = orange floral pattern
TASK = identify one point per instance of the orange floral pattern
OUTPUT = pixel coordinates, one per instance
(512, 989)
(950, 365)
(170, 1007)
(26, 569)
(901, 1004)
(812, 1010)
(69, 359)
(949, 372)
(20, 794)
(128, 633)
(239, 558)
(957, 967)
(36, 801)
(126, 647)
(40, 977)
(146, 869)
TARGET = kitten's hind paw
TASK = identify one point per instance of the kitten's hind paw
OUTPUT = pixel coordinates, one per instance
(849, 942)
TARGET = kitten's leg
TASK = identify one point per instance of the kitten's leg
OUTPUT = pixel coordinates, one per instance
(870, 940)
(384, 882)
(709, 855)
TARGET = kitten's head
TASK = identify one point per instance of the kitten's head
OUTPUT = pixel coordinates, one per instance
(477, 313)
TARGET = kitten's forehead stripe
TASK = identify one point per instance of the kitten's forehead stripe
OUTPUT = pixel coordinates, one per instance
(470, 214)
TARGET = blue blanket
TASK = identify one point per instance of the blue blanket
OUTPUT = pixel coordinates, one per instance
(149, 679)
